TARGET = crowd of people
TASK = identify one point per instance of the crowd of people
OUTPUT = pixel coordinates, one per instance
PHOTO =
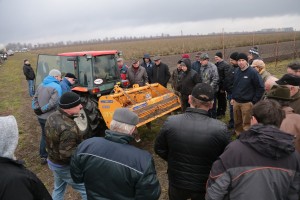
(203, 159)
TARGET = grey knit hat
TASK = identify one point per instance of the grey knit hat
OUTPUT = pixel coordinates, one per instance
(9, 136)
(126, 116)
(54, 72)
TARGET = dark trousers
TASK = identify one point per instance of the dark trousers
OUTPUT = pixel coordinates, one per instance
(43, 152)
(184, 102)
(182, 194)
(231, 120)
(222, 103)
(212, 113)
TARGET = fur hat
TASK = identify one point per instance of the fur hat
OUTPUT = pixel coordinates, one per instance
(69, 100)
(9, 136)
(54, 72)
(203, 92)
(258, 63)
(242, 56)
(279, 92)
(126, 116)
(234, 55)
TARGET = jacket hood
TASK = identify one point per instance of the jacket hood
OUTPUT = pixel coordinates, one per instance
(268, 141)
(188, 63)
(49, 79)
(9, 136)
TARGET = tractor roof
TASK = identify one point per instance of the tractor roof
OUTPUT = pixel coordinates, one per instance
(93, 53)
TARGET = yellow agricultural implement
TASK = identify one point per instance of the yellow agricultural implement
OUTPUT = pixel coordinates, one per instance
(148, 102)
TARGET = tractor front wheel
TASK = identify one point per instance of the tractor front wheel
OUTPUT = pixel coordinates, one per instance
(90, 121)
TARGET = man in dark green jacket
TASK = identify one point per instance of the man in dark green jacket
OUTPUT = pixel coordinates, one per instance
(111, 168)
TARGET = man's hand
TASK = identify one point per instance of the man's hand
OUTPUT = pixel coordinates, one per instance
(38, 111)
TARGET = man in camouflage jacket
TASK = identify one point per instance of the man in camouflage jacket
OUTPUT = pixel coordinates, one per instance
(62, 138)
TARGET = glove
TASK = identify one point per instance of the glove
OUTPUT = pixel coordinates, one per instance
(38, 111)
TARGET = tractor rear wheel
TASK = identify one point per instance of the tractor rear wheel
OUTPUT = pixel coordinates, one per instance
(90, 121)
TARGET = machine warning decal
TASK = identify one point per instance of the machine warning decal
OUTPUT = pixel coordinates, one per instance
(106, 101)
(106, 107)
(139, 106)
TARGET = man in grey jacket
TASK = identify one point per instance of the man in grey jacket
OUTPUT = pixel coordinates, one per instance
(209, 74)
(44, 103)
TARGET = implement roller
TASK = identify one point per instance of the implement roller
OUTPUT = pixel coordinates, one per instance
(148, 102)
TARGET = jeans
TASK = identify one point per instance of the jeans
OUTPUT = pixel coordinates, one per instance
(30, 87)
(62, 177)
(43, 152)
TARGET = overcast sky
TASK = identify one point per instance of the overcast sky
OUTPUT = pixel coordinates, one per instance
(33, 21)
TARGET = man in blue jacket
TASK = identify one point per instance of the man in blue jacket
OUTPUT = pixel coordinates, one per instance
(111, 168)
(67, 82)
(44, 103)
(248, 88)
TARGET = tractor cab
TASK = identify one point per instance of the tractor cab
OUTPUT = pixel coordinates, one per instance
(97, 71)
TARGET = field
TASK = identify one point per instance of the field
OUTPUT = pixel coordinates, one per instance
(14, 98)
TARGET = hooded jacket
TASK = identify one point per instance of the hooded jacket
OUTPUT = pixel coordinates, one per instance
(188, 79)
(148, 67)
(28, 72)
(190, 143)
(261, 164)
(112, 169)
(46, 96)
(16, 182)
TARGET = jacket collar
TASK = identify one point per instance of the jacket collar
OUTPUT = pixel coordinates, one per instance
(196, 110)
(66, 114)
(118, 137)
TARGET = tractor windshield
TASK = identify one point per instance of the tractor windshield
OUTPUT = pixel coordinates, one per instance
(46, 63)
(105, 68)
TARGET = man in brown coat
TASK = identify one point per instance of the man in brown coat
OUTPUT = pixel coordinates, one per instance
(290, 123)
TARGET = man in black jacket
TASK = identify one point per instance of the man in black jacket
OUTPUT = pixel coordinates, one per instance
(30, 76)
(160, 72)
(190, 143)
(261, 164)
(111, 168)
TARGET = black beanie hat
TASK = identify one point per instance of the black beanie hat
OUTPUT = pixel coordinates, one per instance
(219, 54)
(69, 100)
(234, 55)
(242, 56)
